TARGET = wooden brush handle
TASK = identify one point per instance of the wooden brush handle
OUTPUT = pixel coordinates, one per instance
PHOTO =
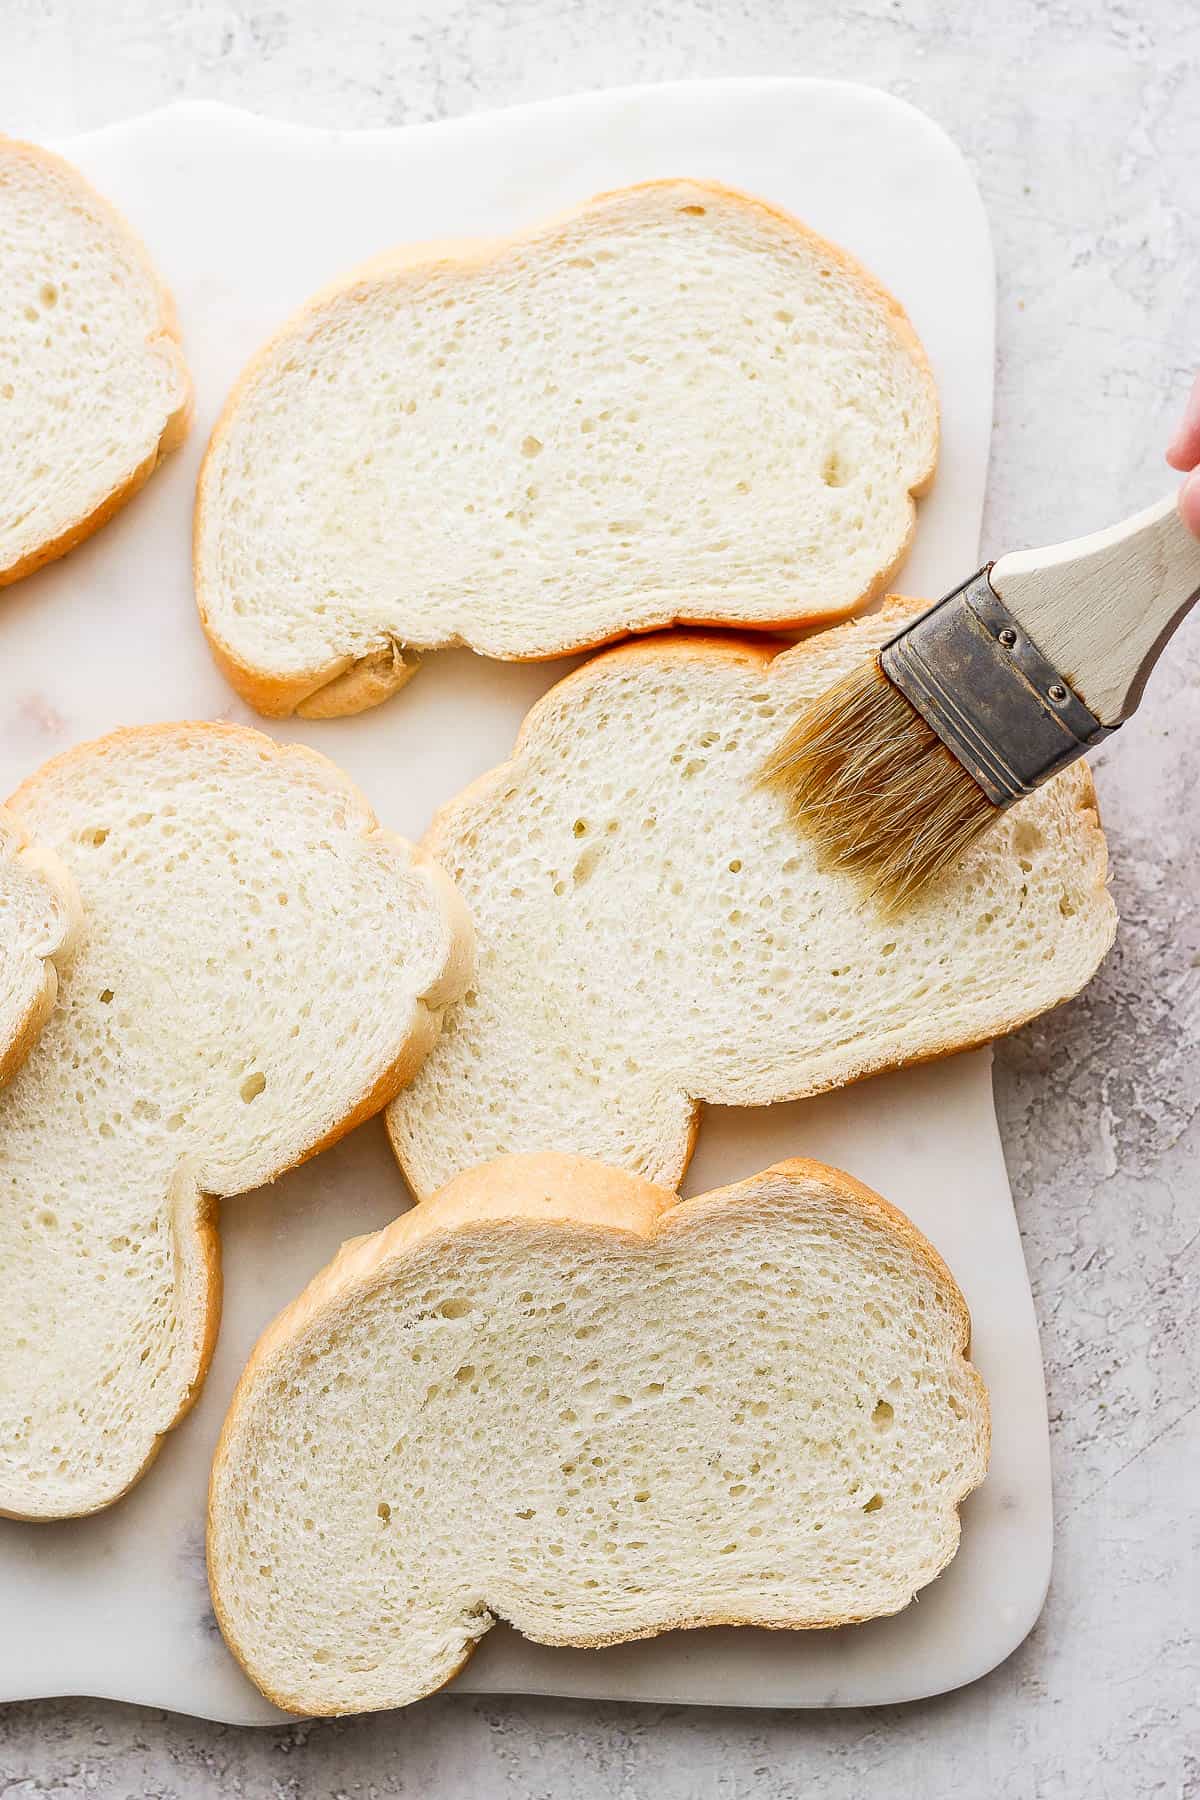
(1102, 608)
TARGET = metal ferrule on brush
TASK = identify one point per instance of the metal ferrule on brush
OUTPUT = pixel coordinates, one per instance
(1005, 713)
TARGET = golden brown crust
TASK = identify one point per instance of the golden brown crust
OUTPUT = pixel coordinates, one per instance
(277, 696)
(368, 682)
(195, 1225)
(13, 1054)
(165, 337)
(591, 1199)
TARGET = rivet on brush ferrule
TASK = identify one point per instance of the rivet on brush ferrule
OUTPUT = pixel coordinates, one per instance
(999, 706)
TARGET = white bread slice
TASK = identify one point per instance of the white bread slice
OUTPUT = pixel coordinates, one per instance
(552, 1396)
(39, 920)
(654, 932)
(675, 403)
(93, 386)
(260, 968)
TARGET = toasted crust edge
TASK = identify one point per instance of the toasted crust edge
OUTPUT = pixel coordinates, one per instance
(166, 337)
(496, 1193)
(278, 696)
(195, 1228)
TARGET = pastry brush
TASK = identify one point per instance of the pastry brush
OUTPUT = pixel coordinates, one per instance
(1015, 674)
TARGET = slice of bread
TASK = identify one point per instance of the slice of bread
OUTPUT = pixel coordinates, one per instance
(553, 1396)
(654, 932)
(675, 403)
(93, 386)
(39, 920)
(260, 968)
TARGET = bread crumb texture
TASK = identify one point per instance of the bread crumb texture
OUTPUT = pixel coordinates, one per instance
(553, 1397)
(674, 404)
(259, 966)
(653, 931)
(93, 387)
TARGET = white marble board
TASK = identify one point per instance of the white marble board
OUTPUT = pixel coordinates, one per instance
(245, 218)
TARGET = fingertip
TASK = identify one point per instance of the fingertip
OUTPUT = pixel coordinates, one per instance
(1183, 451)
(1189, 503)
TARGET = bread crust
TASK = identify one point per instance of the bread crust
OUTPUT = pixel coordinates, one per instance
(195, 1211)
(164, 340)
(592, 1200)
(58, 879)
(730, 648)
(307, 692)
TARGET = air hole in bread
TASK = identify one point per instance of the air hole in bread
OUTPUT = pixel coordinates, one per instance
(585, 866)
(457, 1308)
(835, 472)
(1026, 837)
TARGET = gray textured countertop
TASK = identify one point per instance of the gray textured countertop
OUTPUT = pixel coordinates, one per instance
(1082, 124)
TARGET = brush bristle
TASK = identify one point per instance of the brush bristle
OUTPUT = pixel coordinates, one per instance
(878, 791)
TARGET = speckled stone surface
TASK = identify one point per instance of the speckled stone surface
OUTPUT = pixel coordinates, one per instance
(1082, 124)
